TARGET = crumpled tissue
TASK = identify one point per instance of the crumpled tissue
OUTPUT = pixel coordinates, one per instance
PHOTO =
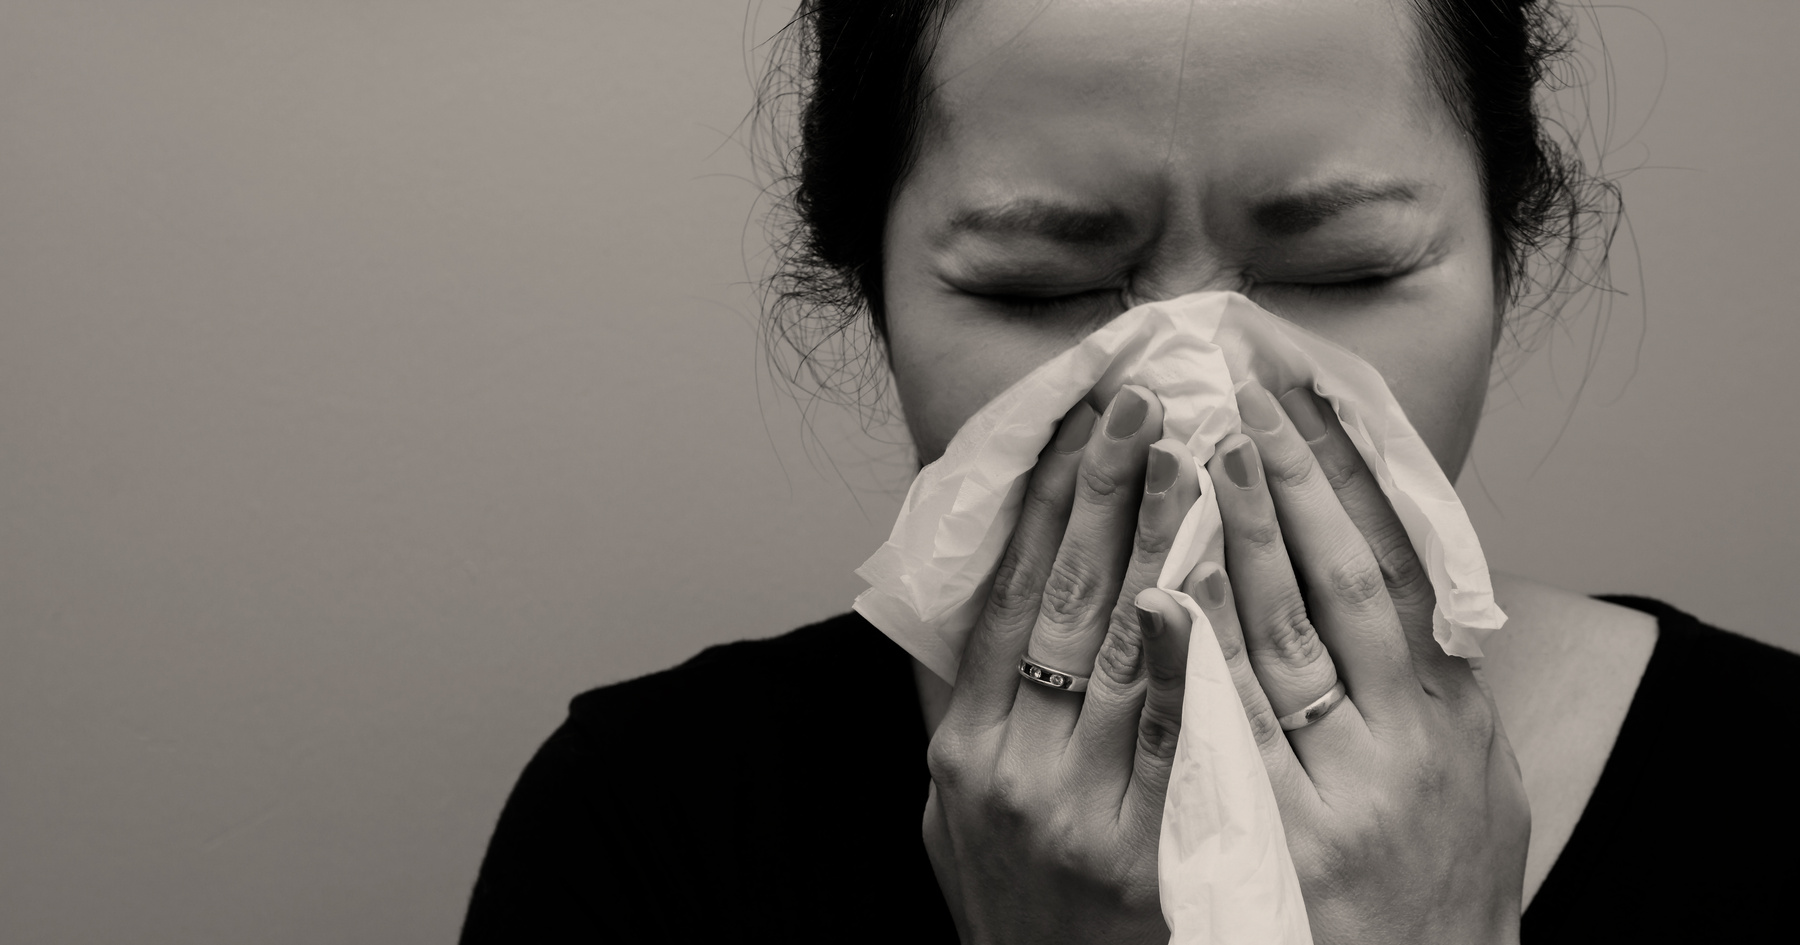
(1224, 870)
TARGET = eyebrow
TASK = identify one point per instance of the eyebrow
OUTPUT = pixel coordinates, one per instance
(1045, 219)
(1295, 213)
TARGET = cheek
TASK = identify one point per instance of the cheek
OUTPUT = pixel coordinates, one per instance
(1443, 398)
(1435, 360)
(946, 366)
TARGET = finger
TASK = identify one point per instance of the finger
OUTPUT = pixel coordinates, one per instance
(1345, 593)
(1290, 661)
(1171, 487)
(988, 678)
(1408, 584)
(1083, 584)
(1103, 737)
(1166, 629)
(1211, 589)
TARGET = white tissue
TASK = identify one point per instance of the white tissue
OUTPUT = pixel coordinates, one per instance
(1225, 872)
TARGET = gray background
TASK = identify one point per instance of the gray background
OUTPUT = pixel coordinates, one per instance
(376, 376)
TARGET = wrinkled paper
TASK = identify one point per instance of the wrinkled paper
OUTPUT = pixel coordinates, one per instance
(1225, 872)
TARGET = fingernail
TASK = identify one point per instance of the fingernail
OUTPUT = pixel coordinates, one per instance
(1212, 587)
(1072, 433)
(1127, 414)
(1241, 466)
(1258, 409)
(1164, 465)
(1149, 621)
(1303, 409)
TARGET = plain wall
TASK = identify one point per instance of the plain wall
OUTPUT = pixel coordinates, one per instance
(376, 376)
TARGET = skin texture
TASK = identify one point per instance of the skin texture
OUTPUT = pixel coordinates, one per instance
(1084, 156)
(1092, 104)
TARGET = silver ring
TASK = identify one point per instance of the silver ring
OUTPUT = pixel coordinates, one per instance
(1318, 709)
(1053, 678)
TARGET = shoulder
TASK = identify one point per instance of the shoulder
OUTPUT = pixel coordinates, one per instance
(748, 691)
(751, 710)
(1692, 647)
(1542, 616)
(1675, 839)
(1725, 696)
(725, 783)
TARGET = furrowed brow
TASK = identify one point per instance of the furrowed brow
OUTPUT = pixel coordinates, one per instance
(1043, 219)
(1296, 213)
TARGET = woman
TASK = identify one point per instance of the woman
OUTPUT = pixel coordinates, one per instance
(989, 181)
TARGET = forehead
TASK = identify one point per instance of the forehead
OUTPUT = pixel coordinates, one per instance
(1263, 92)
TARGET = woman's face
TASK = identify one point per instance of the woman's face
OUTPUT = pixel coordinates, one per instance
(1083, 156)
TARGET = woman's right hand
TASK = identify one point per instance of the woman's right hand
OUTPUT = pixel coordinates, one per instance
(1046, 805)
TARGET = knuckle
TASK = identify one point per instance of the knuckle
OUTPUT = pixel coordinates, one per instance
(1389, 533)
(1291, 637)
(1165, 673)
(1339, 471)
(1012, 595)
(1063, 831)
(1069, 592)
(1263, 532)
(1408, 582)
(1079, 858)
(1120, 661)
(1508, 789)
(1042, 503)
(946, 758)
(1399, 565)
(1517, 811)
(1159, 729)
(1287, 469)
(1474, 716)
(1357, 581)
(1437, 677)
(1101, 482)
(1339, 861)
(1008, 801)
(1153, 540)
(1231, 645)
(1264, 726)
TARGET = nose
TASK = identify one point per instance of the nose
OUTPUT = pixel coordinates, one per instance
(1179, 272)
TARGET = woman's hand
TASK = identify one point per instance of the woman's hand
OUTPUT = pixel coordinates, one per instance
(1046, 805)
(1403, 806)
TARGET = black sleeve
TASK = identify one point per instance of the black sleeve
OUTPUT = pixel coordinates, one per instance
(720, 801)
(557, 868)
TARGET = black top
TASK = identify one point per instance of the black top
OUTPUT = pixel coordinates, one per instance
(773, 790)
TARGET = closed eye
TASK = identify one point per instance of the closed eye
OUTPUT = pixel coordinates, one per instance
(1360, 284)
(1345, 284)
(1031, 304)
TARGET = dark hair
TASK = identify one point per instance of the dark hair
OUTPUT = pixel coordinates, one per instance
(856, 70)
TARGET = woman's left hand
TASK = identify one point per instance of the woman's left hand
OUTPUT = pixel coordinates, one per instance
(1403, 806)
